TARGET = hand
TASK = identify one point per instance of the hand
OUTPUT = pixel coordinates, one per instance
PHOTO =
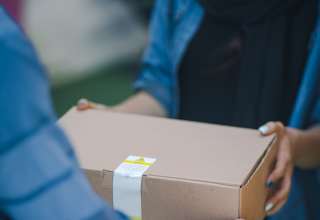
(84, 104)
(279, 181)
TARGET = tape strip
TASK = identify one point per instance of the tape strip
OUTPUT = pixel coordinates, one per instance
(127, 179)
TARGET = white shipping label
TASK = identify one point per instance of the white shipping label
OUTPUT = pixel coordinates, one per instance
(127, 180)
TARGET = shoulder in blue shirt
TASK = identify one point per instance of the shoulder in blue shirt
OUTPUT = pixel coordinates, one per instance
(40, 177)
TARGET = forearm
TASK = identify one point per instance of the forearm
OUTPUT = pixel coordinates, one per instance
(307, 148)
(141, 103)
(43, 182)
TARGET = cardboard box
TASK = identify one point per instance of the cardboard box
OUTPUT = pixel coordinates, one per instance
(202, 171)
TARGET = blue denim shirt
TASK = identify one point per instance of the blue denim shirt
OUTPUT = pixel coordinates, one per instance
(40, 177)
(173, 24)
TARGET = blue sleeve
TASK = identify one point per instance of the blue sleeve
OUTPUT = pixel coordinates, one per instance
(156, 76)
(40, 177)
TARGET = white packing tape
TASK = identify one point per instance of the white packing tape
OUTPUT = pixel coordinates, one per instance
(127, 179)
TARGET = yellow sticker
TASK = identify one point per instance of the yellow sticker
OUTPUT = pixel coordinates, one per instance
(139, 160)
(127, 180)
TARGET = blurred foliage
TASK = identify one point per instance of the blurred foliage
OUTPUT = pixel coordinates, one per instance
(143, 7)
(147, 3)
(108, 86)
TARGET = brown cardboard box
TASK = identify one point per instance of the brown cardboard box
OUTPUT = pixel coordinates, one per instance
(202, 171)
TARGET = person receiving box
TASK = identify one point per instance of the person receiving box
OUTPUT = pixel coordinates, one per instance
(40, 177)
(241, 63)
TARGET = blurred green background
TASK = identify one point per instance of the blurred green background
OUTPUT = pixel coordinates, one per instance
(108, 86)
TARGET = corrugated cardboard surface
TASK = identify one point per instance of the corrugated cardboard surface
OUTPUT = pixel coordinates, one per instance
(184, 150)
(253, 194)
(166, 198)
(199, 169)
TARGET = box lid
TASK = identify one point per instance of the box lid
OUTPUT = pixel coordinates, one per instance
(183, 149)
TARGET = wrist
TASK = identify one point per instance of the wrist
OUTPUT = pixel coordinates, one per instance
(295, 137)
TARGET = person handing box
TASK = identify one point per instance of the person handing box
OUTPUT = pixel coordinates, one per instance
(241, 65)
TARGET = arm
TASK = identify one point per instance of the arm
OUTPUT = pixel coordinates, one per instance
(306, 147)
(40, 177)
(296, 147)
(154, 84)
(140, 103)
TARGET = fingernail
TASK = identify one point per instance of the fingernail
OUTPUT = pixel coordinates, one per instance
(264, 129)
(82, 102)
(269, 206)
(269, 184)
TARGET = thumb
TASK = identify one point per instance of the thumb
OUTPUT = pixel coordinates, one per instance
(271, 128)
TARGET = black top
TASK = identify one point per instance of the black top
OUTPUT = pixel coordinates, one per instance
(246, 72)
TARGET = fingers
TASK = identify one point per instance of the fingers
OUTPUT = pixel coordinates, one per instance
(272, 127)
(283, 156)
(283, 162)
(282, 173)
(277, 207)
(84, 104)
(281, 195)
